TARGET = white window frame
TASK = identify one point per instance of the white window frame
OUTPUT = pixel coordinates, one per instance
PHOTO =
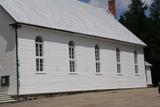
(39, 52)
(97, 59)
(118, 60)
(72, 58)
(136, 63)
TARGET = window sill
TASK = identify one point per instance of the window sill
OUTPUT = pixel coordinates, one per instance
(137, 75)
(40, 73)
(120, 74)
(99, 74)
(73, 73)
(4, 86)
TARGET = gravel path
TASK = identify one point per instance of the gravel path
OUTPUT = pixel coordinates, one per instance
(148, 97)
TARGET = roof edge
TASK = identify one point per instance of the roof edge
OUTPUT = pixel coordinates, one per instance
(8, 13)
(145, 45)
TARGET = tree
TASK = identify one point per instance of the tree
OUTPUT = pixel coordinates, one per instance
(122, 20)
(147, 29)
(135, 18)
(155, 10)
(154, 45)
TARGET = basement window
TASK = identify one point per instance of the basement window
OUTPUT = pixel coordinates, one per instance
(4, 81)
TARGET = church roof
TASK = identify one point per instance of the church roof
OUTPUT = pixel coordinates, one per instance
(69, 15)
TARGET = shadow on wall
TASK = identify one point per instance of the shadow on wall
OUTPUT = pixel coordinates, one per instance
(7, 33)
(7, 43)
(3, 44)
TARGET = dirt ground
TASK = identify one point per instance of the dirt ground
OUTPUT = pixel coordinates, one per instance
(148, 97)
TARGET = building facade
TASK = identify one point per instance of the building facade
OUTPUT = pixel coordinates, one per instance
(37, 59)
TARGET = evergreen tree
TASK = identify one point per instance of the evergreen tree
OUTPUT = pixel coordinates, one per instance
(154, 44)
(122, 20)
(135, 18)
(147, 29)
(155, 10)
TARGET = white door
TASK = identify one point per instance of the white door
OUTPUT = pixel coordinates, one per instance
(148, 76)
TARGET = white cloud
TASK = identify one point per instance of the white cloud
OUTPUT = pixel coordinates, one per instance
(122, 5)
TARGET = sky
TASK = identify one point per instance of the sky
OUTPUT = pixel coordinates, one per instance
(122, 5)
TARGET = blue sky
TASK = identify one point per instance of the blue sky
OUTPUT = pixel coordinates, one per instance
(122, 5)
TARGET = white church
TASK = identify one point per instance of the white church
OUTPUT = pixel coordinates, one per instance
(53, 46)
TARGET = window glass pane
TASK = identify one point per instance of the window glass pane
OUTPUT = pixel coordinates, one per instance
(72, 66)
(37, 64)
(136, 69)
(41, 49)
(70, 56)
(39, 39)
(36, 49)
(135, 57)
(39, 46)
(118, 55)
(97, 67)
(41, 64)
(72, 53)
(118, 68)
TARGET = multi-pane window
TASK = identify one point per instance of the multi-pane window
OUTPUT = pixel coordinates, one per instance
(97, 58)
(72, 66)
(39, 54)
(136, 62)
(39, 64)
(118, 60)
(98, 67)
(72, 61)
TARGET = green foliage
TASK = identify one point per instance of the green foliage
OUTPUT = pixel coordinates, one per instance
(135, 18)
(147, 29)
(155, 10)
(122, 20)
(154, 33)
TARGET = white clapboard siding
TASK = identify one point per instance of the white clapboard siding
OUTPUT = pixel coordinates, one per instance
(57, 77)
(7, 53)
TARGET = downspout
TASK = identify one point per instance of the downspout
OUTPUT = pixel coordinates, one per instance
(16, 26)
